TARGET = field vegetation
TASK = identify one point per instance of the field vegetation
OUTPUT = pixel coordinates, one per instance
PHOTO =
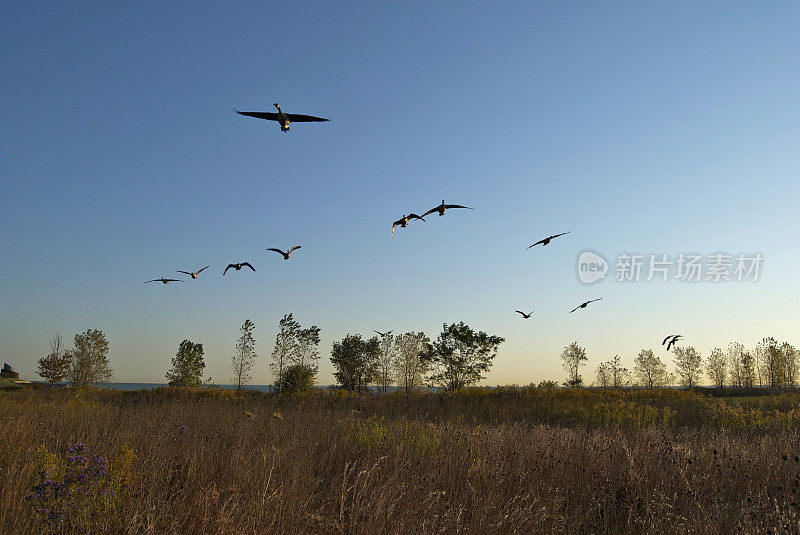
(514, 459)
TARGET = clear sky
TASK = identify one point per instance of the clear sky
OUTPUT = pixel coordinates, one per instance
(660, 128)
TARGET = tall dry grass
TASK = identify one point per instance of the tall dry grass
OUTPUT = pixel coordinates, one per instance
(517, 460)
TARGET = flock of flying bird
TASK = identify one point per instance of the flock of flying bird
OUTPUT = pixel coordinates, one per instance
(284, 120)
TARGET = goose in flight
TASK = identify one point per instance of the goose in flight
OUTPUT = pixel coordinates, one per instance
(192, 274)
(526, 316)
(237, 267)
(547, 239)
(403, 221)
(286, 254)
(284, 119)
(383, 334)
(673, 339)
(583, 305)
(442, 208)
(165, 281)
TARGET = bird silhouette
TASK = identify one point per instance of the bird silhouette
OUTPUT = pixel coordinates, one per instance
(382, 334)
(546, 240)
(403, 221)
(165, 281)
(238, 266)
(442, 208)
(671, 340)
(284, 119)
(286, 254)
(192, 274)
(526, 316)
(583, 305)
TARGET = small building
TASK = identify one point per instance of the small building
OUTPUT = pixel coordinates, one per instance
(8, 372)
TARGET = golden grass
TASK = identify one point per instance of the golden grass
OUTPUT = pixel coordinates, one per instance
(516, 460)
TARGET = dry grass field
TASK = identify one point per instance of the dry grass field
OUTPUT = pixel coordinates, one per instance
(514, 460)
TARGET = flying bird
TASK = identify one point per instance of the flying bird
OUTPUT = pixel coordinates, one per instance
(673, 339)
(165, 281)
(192, 274)
(526, 316)
(442, 208)
(547, 239)
(583, 305)
(237, 267)
(286, 254)
(403, 221)
(284, 119)
(382, 334)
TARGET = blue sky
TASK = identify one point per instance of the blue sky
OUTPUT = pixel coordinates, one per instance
(669, 128)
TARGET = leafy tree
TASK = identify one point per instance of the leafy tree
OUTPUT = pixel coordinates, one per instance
(307, 353)
(297, 378)
(792, 358)
(748, 369)
(285, 348)
(55, 366)
(573, 357)
(244, 355)
(89, 359)
(619, 376)
(408, 366)
(187, 365)
(773, 363)
(383, 367)
(460, 356)
(689, 364)
(716, 367)
(355, 360)
(649, 371)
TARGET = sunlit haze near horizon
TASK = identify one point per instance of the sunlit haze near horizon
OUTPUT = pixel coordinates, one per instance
(644, 129)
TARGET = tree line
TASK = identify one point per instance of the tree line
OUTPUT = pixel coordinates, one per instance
(770, 364)
(458, 357)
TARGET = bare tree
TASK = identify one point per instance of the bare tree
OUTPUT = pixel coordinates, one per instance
(573, 357)
(54, 367)
(408, 367)
(384, 367)
(688, 364)
(244, 355)
(735, 364)
(619, 376)
(772, 362)
(603, 375)
(650, 371)
(716, 367)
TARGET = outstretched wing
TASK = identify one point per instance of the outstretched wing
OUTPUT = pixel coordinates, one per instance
(537, 243)
(557, 235)
(154, 280)
(200, 270)
(259, 114)
(248, 265)
(667, 338)
(186, 272)
(296, 118)
(593, 300)
(432, 210)
(399, 221)
(276, 250)
(172, 280)
(456, 206)
(227, 268)
(521, 312)
(576, 308)
(293, 248)
(415, 216)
